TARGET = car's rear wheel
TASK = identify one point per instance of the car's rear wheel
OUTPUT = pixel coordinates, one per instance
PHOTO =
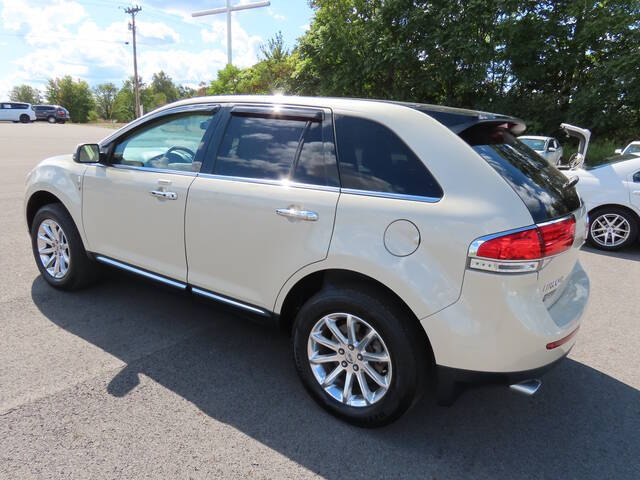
(24, 118)
(612, 228)
(359, 355)
(51, 119)
(58, 249)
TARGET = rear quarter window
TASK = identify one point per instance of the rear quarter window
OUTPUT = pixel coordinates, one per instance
(541, 186)
(373, 158)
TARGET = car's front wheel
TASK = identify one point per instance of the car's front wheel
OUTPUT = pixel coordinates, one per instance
(58, 249)
(612, 228)
(51, 119)
(359, 355)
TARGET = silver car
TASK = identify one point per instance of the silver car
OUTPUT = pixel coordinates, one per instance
(547, 147)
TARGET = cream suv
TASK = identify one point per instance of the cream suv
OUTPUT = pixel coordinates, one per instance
(402, 245)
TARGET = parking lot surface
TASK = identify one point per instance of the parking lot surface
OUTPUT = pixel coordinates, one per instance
(130, 380)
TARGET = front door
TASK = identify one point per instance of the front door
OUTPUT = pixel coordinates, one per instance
(267, 206)
(133, 208)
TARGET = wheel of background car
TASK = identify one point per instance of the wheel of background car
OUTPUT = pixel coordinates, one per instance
(58, 249)
(24, 118)
(51, 119)
(612, 228)
(359, 355)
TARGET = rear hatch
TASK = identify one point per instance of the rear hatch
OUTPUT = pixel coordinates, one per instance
(549, 196)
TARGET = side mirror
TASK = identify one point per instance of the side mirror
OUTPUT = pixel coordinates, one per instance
(618, 151)
(87, 153)
(551, 149)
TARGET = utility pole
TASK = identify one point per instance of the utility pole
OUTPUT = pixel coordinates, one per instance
(132, 26)
(228, 9)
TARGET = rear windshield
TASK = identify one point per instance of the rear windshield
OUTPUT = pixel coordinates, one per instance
(540, 185)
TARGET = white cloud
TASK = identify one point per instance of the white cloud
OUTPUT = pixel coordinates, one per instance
(65, 40)
(245, 46)
(19, 15)
(305, 27)
(276, 16)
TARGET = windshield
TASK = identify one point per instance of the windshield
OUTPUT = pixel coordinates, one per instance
(533, 143)
(541, 186)
(632, 149)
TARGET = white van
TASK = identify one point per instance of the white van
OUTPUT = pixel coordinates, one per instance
(17, 112)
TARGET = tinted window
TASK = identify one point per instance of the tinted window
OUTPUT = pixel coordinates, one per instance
(372, 157)
(313, 165)
(255, 147)
(636, 177)
(171, 144)
(537, 183)
(20, 106)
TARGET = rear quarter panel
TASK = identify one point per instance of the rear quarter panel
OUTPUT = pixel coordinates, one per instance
(476, 202)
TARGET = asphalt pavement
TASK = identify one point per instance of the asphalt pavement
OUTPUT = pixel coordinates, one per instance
(131, 380)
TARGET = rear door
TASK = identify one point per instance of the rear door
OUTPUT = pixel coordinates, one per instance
(265, 205)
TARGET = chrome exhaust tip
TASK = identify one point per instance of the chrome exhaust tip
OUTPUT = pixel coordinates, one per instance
(527, 387)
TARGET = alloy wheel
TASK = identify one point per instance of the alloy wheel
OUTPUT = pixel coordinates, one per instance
(349, 359)
(53, 249)
(610, 229)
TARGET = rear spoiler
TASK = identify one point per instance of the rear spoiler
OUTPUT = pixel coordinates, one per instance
(459, 120)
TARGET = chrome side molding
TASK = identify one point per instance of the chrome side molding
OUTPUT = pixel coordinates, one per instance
(181, 285)
(139, 271)
(228, 301)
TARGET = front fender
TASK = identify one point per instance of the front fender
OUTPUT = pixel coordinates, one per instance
(62, 178)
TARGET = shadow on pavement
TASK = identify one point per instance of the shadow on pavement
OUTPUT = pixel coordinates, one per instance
(630, 253)
(583, 423)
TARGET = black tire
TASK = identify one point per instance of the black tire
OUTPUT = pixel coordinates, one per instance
(82, 271)
(406, 345)
(631, 219)
(51, 119)
(24, 118)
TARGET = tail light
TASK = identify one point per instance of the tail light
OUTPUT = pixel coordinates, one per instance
(522, 250)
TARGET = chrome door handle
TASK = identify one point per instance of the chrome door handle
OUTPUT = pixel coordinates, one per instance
(165, 195)
(294, 213)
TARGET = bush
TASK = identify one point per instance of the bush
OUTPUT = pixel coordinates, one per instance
(597, 151)
(93, 116)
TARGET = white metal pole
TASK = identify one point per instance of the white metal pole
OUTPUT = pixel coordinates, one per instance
(229, 32)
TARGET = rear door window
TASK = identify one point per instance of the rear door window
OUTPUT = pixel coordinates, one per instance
(272, 147)
(541, 186)
(255, 147)
(373, 158)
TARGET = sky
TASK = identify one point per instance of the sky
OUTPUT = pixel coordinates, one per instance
(40, 39)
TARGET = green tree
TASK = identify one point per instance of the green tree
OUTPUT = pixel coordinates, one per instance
(161, 83)
(124, 105)
(546, 61)
(25, 93)
(273, 73)
(105, 96)
(75, 96)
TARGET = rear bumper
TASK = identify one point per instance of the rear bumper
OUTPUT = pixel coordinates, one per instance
(500, 324)
(448, 375)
